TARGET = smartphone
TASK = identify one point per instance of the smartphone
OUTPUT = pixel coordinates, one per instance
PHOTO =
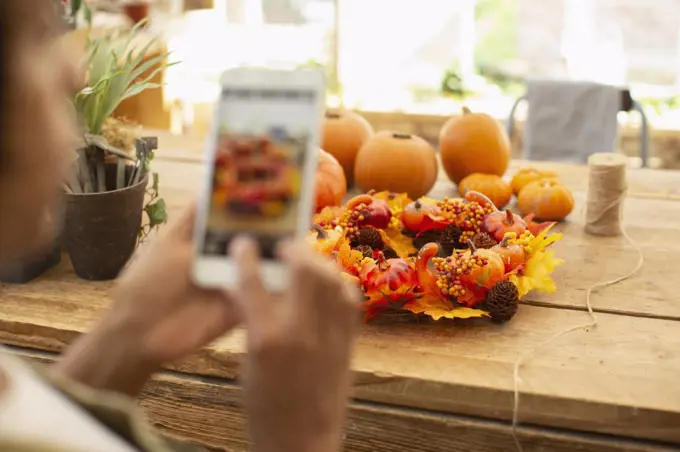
(262, 154)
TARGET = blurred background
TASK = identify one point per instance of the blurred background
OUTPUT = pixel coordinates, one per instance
(408, 65)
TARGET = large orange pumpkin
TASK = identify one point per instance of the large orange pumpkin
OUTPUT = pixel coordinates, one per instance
(330, 184)
(473, 143)
(398, 162)
(546, 199)
(344, 132)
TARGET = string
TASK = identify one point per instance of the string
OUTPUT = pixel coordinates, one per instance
(523, 358)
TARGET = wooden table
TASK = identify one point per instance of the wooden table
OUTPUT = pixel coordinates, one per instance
(443, 387)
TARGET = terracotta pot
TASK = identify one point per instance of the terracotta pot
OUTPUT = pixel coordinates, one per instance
(26, 270)
(101, 229)
(136, 10)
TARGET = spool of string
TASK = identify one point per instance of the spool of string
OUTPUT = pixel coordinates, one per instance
(604, 216)
(606, 193)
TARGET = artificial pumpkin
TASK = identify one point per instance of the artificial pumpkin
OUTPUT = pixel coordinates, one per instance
(396, 162)
(490, 185)
(546, 199)
(527, 175)
(330, 184)
(344, 132)
(473, 143)
(499, 223)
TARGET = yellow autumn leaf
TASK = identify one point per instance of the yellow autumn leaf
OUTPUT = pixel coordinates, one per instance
(536, 273)
(347, 257)
(400, 243)
(439, 312)
(543, 240)
(325, 245)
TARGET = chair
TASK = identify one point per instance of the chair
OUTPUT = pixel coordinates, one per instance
(627, 103)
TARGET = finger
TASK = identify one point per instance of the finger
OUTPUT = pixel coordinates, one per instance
(183, 227)
(250, 297)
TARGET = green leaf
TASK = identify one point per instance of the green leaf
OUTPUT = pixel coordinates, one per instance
(138, 88)
(87, 14)
(154, 185)
(156, 213)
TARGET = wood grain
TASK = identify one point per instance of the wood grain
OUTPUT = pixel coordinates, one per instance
(209, 412)
(619, 378)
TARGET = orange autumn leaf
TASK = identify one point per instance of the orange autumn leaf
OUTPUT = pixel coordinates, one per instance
(378, 300)
(400, 243)
(347, 257)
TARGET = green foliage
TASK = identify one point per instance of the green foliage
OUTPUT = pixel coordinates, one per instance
(114, 68)
(154, 209)
(497, 30)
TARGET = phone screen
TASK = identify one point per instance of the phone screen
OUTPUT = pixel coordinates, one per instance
(262, 140)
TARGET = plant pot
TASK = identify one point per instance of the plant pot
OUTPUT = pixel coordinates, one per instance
(26, 270)
(101, 229)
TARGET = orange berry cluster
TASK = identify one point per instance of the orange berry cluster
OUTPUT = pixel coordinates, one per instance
(351, 220)
(451, 269)
(468, 216)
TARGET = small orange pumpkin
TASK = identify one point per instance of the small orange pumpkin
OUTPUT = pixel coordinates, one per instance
(344, 132)
(396, 162)
(527, 175)
(490, 185)
(473, 143)
(330, 184)
(546, 199)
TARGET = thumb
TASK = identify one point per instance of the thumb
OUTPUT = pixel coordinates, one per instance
(250, 295)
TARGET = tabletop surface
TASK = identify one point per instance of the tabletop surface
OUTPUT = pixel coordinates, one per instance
(618, 378)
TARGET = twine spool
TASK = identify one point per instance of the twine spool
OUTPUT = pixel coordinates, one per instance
(606, 192)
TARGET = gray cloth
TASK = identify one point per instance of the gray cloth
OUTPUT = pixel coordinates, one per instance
(568, 121)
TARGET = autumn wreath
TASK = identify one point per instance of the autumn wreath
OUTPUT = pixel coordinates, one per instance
(448, 258)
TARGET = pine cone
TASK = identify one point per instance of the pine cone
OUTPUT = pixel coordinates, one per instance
(433, 235)
(389, 253)
(450, 239)
(371, 237)
(483, 240)
(366, 250)
(502, 301)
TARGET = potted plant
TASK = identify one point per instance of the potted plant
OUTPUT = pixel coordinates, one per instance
(106, 191)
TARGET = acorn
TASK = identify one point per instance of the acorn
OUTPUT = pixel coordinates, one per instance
(502, 301)
(450, 239)
(370, 236)
(366, 250)
(483, 240)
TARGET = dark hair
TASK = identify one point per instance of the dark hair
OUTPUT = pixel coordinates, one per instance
(4, 78)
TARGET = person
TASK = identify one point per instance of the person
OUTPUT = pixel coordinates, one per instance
(158, 315)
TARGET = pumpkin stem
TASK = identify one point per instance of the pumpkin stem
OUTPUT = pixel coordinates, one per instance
(381, 261)
(371, 192)
(466, 111)
(417, 205)
(321, 233)
(472, 246)
(332, 115)
(401, 136)
(504, 242)
(509, 217)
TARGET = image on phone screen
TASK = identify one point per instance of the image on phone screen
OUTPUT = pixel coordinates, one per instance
(262, 139)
